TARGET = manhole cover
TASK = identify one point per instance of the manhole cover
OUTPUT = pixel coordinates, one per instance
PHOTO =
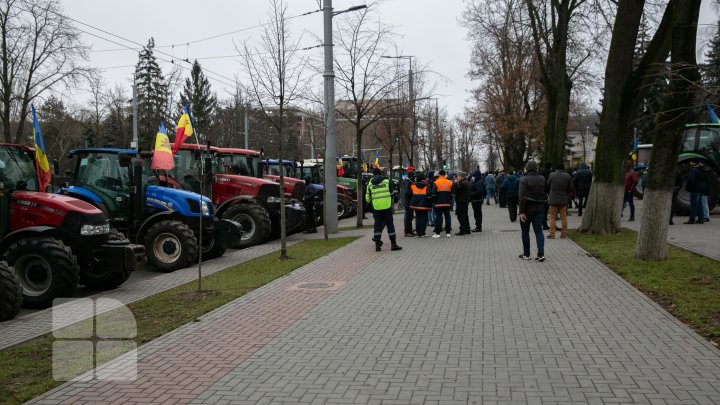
(315, 286)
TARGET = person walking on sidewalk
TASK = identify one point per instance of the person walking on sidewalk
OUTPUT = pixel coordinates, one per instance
(510, 188)
(443, 190)
(532, 197)
(477, 196)
(420, 202)
(560, 189)
(490, 188)
(462, 201)
(379, 194)
(312, 191)
(499, 180)
(407, 196)
(582, 180)
(631, 181)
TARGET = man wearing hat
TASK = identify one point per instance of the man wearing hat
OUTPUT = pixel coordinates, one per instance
(379, 194)
(407, 196)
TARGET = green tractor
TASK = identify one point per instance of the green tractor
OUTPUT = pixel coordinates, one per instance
(701, 143)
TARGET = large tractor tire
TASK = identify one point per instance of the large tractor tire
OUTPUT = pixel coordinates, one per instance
(102, 280)
(255, 223)
(46, 268)
(682, 202)
(170, 245)
(10, 293)
(211, 249)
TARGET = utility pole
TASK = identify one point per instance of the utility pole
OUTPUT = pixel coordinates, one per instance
(331, 221)
(413, 136)
(134, 144)
(247, 125)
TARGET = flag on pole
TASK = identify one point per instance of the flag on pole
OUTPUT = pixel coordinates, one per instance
(713, 117)
(41, 161)
(185, 128)
(162, 157)
(377, 161)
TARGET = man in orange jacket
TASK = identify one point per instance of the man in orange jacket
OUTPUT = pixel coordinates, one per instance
(443, 191)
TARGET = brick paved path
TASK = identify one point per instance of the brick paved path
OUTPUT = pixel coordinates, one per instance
(457, 320)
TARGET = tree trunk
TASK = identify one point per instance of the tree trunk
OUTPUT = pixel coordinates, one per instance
(603, 208)
(652, 239)
(558, 110)
(358, 177)
(675, 110)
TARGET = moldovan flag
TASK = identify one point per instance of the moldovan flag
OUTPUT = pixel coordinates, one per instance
(184, 129)
(41, 161)
(163, 156)
(713, 117)
(377, 161)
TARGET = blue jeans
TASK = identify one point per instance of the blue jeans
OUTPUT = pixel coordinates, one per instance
(440, 213)
(536, 220)
(696, 207)
(490, 193)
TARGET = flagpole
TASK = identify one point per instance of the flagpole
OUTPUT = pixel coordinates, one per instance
(202, 182)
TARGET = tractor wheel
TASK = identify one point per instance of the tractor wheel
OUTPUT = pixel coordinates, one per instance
(10, 293)
(255, 223)
(170, 245)
(342, 210)
(98, 279)
(211, 249)
(46, 268)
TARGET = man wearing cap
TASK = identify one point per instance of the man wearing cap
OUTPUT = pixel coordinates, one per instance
(407, 196)
(462, 200)
(532, 199)
(379, 194)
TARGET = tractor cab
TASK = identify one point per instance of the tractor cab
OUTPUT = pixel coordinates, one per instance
(105, 180)
(17, 172)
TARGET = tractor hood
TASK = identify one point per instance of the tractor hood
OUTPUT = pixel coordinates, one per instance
(57, 203)
(184, 202)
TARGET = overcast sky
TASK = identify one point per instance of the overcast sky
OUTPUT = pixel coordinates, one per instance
(428, 30)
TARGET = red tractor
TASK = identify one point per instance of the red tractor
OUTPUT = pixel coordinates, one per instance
(55, 242)
(236, 192)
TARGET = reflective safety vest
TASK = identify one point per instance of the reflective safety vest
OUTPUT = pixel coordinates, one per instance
(419, 201)
(380, 195)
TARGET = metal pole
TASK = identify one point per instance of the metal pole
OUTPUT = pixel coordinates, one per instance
(134, 144)
(414, 116)
(331, 222)
(247, 125)
(312, 141)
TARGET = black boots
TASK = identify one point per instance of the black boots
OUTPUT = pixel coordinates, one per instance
(395, 246)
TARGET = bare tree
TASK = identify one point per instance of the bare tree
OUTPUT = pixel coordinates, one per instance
(39, 50)
(467, 142)
(365, 82)
(276, 75)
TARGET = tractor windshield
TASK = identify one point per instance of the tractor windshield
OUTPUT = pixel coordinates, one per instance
(709, 142)
(17, 169)
(102, 174)
(273, 169)
(239, 165)
(310, 171)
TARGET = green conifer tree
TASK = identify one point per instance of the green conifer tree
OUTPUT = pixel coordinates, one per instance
(152, 94)
(203, 103)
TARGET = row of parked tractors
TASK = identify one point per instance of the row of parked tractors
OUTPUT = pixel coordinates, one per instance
(114, 214)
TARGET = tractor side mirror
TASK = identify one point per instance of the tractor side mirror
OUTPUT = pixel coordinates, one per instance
(56, 167)
(124, 159)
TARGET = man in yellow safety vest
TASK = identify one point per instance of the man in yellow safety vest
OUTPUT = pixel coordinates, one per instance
(379, 195)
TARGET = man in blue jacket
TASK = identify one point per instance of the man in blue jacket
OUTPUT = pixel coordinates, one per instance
(510, 187)
(407, 196)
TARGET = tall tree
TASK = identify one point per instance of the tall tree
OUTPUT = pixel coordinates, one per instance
(276, 73)
(626, 83)
(675, 111)
(203, 101)
(40, 49)
(152, 94)
(61, 131)
(711, 71)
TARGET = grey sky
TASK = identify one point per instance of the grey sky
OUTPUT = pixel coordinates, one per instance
(427, 29)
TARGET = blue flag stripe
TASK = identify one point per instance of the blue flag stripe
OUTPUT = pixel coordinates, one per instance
(36, 126)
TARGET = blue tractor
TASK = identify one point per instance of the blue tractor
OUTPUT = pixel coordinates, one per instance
(165, 220)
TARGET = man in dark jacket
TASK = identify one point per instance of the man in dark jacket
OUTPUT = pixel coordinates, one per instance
(532, 197)
(546, 174)
(560, 187)
(697, 186)
(499, 180)
(312, 191)
(462, 200)
(421, 203)
(631, 181)
(676, 191)
(407, 196)
(442, 191)
(582, 180)
(477, 196)
(510, 188)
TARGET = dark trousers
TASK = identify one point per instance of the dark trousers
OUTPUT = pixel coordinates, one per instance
(309, 216)
(383, 218)
(628, 199)
(421, 221)
(696, 207)
(582, 201)
(408, 218)
(536, 220)
(461, 211)
(440, 213)
(503, 199)
(477, 213)
(512, 206)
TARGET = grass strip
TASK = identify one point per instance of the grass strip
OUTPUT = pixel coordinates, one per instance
(687, 285)
(27, 367)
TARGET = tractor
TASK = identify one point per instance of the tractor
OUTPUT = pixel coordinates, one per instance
(701, 143)
(237, 192)
(54, 242)
(165, 220)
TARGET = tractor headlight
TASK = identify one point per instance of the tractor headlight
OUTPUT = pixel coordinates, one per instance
(89, 230)
(273, 200)
(204, 208)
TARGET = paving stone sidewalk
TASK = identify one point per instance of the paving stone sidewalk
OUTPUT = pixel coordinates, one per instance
(453, 320)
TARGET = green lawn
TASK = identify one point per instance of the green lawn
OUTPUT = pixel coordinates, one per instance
(26, 368)
(687, 285)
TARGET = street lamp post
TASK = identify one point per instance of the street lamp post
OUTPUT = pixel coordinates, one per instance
(330, 211)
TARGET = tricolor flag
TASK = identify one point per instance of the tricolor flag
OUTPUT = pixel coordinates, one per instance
(340, 162)
(162, 157)
(713, 117)
(184, 129)
(377, 161)
(41, 161)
